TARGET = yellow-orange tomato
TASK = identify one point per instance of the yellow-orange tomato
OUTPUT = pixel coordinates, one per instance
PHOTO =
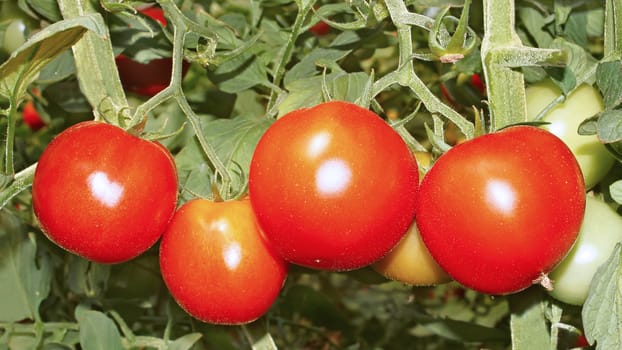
(411, 263)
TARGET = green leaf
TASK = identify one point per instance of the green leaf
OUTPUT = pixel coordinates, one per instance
(535, 23)
(186, 342)
(610, 126)
(25, 64)
(239, 73)
(308, 66)
(58, 69)
(608, 77)
(308, 92)
(97, 331)
(94, 57)
(24, 281)
(86, 277)
(580, 68)
(528, 321)
(47, 9)
(602, 311)
(615, 190)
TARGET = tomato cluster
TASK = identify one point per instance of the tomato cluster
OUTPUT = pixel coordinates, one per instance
(331, 187)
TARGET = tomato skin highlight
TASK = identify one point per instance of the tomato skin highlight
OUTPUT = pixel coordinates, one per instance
(600, 231)
(499, 211)
(333, 186)
(217, 264)
(102, 193)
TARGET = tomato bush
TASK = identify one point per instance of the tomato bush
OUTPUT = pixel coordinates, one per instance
(600, 231)
(310, 174)
(98, 200)
(274, 112)
(564, 120)
(217, 264)
(508, 229)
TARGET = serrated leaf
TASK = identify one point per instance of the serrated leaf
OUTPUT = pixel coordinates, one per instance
(602, 311)
(97, 331)
(24, 282)
(308, 92)
(608, 77)
(610, 126)
(307, 67)
(615, 190)
(535, 23)
(580, 67)
(186, 342)
(239, 73)
(25, 64)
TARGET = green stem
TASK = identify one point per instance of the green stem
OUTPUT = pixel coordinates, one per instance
(613, 30)
(507, 105)
(405, 75)
(174, 90)
(9, 167)
(21, 182)
(288, 51)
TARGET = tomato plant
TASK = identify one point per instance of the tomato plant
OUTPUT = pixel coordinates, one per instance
(310, 174)
(102, 193)
(565, 118)
(217, 264)
(600, 231)
(489, 209)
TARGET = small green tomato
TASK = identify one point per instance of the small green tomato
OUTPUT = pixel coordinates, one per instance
(594, 159)
(600, 231)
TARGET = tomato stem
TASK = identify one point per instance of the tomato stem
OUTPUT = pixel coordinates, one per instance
(304, 7)
(613, 30)
(405, 74)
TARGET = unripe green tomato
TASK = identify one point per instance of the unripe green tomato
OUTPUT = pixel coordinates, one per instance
(14, 35)
(594, 159)
(600, 231)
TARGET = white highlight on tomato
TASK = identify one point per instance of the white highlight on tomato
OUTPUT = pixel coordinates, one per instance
(333, 177)
(501, 195)
(318, 144)
(232, 256)
(586, 253)
(557, 128)
(106, 191)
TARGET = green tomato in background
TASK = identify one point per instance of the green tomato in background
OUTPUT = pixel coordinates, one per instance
(600, 231)
(593, 157)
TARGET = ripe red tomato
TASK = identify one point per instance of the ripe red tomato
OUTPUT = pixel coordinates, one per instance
(500, 211)
(333, 186)
(217, 264)
(147, 79)
(104, 194)
(32, 118)
(320, 28)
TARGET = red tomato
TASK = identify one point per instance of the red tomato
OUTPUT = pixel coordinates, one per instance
(320, 28)
(217, 264)
(333, 186)
(104, 194)
(32, 117)
(147, 79)
(500, 211)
